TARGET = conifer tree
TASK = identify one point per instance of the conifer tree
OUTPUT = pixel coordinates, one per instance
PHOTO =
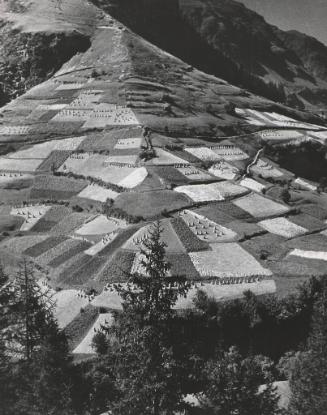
(31, 313)
(307, 370)
(34, 349)
(5, 368)
(141, 354)
(233, 386)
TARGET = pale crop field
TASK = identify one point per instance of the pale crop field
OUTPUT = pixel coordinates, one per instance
(128, 159)
(68, 305)
(211, 192)
(31, 215)
(200, 193)
(51, 107)
(96, 192)
(19, 165)
(69, 86)
(72, 115)
(85, 347)
(227, 260)
(205, 229)
(230, 153)
(224, 170)
(135, 178)
(101, 225)
(103, 115)
(12, 177)
(304, 184)
(203, 153)
(14, 129)
(194, 173)
(280, 135)
(166, 158)
(282, 227)
(128, 143)
(259, 206)
(95, 166)
(266, 169)
(252, 185)
(74, 163)
(43, 150)
(86, 99)
(108, 298)
(317, 255)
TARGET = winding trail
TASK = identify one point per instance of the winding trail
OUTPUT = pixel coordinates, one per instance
(254, 161)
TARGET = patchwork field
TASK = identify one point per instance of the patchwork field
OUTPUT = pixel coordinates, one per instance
(56, 187)
(164, 157)
(224, 170)
(31, 214)
(259, 206)
(33, 158)
(203, 153)
(96, 165)
(96, 192)
(282, 227)
(169, 237)
(100, 226)
(68, 305)
(194, 174)
(265, 169)
(229, 152)
(212, 192)
(319, 255)
(252, 185)
(227, 260)
(281, 135)
(128, 143)
(206, 229)
(89, 162)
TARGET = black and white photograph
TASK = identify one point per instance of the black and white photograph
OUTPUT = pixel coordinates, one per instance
(163, 207)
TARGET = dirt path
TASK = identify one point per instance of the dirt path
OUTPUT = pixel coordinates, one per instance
(254, 161)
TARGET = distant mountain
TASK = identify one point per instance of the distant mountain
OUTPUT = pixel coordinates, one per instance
(226, 39)
(302, 15)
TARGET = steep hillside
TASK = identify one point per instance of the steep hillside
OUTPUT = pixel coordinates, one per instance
(226, 39)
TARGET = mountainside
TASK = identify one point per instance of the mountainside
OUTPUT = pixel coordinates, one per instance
(225, 38)
(125, 133)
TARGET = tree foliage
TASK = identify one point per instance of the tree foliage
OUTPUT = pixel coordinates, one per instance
(141, 351)
(36, 368)
(307, 370)
(233, 383)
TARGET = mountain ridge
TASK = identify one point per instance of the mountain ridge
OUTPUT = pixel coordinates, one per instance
(231, 42)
